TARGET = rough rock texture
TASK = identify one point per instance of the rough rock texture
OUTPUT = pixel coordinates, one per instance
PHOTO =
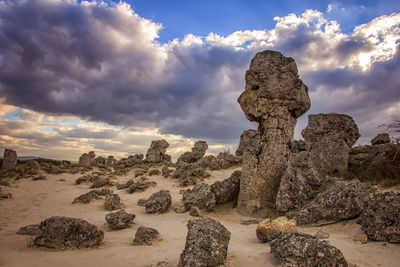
(125, 185)
(99, 161)
(110, 161)
(93, 194)
(194, 211)
(198, 151)
(382, 138)
(228, 189)
(245, 141)
(158, 202)
(189, 174)
(321, 234)
(200, 196)
(63, 232)
(112, 202)
(330, 138)
(154, 172)
(380, 219)
(165, 171)
(145, 235)
(274, 97)
(156, 152)
(129, 162)
(341, 200)
(9, 159)
(87, 158)
(269, 229)
(140, 186)
(119, 220)
(226, 160)
(99, 182)
(32, 229)
(298, 249)
(206, 243)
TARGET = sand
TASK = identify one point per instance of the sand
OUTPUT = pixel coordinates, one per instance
(34, 201)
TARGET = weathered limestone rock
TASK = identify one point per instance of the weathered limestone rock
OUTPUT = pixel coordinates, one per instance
(9, 159)
(298, 249)
(99, 161)
(198, 151)
(382, 138)
(158, 202)
(189, 174)
(156, 152)
(110, 161)
(226, 160)
(270, 229)
(154, 172)
(63, 232)
(129, 162)
(145, 236)
(200, 196)
(194, 211)
(274, 97)
(206, 244)
(245, 141)
(321, 234)
(119, 220)
(99, 182)
(380, 219)
(342, 200)
(87, 158)
(140, 186)
(112, 202)
(330, 138)
(125, 185)
(93, 194)
(228, 189)
(165, 172)
(32, 229)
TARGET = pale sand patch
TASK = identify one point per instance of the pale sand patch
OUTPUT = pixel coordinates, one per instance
(34, 201)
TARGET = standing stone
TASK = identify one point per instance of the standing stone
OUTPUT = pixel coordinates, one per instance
(245, 141)
(87, 158)
(330, 138)
(274, 97)
(9, 159)
(157, 150)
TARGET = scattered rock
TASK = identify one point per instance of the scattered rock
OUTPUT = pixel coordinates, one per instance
(112, 202)
(32, 229)
(99, 182)
(156, 152)
(145, 235)
(206, 243)
(61, 180)
(140, 186)
(154, 172)
(249, 221)
(86, 159)
(382, 138)
(158, 202)
(119, 220)
(93, 194)
(165, 171)
(37, 178)
(82, 179)
(142, 202)
(53, 169)
(179, 207)
(125, 185)
(194, 211)
(362, 238)
(200, 196)
(5, 196)
(270, 229)
(298, 249)
(321, 234)
(228, 189)
(63, 232)
(9, 159)
(198, 151)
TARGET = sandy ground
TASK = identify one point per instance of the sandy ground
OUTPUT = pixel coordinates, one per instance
(34, 201)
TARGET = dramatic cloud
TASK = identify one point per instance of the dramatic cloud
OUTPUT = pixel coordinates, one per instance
(101, 62)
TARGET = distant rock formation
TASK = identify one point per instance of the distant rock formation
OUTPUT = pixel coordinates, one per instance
(382, 138)
(274, 97)
(9, 159)
(246, 141)
(157, 152)
(198, 151)
(87, 158)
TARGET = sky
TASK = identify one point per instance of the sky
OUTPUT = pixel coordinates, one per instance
(111, 76)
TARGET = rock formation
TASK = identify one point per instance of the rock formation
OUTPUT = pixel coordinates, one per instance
(87, 158)
(119, 220)
(112, 202)
(93, 194)
(228, 189)
(200, 196)
(269, 229)
(9, 159)
(158, 202)
(198, 151)
(382, 138)
(145, 236)
(245, 141)
(274, 97)
(157, 152)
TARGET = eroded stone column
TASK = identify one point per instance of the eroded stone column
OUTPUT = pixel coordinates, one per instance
(9, 159)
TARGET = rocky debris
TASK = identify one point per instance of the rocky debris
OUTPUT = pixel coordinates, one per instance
(32, 229)
(228, 189)
(83, 179)
(37, 178)
(129, 162)
(32, 164)
(63, 232)
(299, 146)
(53, 169)
(154, 172)
(249, 221)
(269, 229)
(110, 161)
(93, 194)
(206, 243)
(342, 200)
(189, 174)
(321, 234)
(157, 152)
(140, 186)
(158, 202)
(245, 141)
(298, 249)
(380, 219)
(198, 151)
(165, 171)
(5, 195)
(125, 185)
(142, 202)
(140, 172)
(61, 180)
(382, 138)
(362, 238)
(200, 196)
(9, 159)
(99, 182)
(87, 158)
(226, 160)
(145, 236)
(179, 207)
(194, 211)
(4, 183)
(274, 97)
(112, 202)
(119, 220)
(209, 162)
(330, 138)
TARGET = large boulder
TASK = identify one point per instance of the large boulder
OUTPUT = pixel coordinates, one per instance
(198, 151)
(119, 220)
(228, 189)
(245, 141)
(158, 202)
(9, 159)
(157, 152)
(206, 244)
(298, 249)
(112, 202)
(380, 219)
(330, 138)
(269, 229)
(63, 232)
(87, 158)
(200, 196)
(274, 97)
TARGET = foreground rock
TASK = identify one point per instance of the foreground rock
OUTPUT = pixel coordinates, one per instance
(119, 220)
(228, 189)
(140, 186)
(32, 229)
(200, 196)
(157, 152)
(206, 243)
(380, 219)
(298, 249)
(145, 236)
(63, 232)
(112, 202)
(269, 229)
(93, 194)
(274, 97)
(9, 159)
(158, 202)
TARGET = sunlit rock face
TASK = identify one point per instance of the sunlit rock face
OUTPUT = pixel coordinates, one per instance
(157, 152)
(274, 97)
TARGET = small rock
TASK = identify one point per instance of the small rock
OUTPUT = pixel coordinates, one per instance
(270, 229)
(200, 196)
(119, 220)
(37, 178)
(165, 171)
(93, 194)
(140, 186)
(6, 196)
(179, 208)
(362, 238)
(125, 185)
(249, 221)
(145, 235)
(142, 202)
(61, 180)
(382, 138)
(112, 202)
(321, 234)
(32, 229)
(158, 202)
(5, 183)
(99, 183)
(154, 172)
(195, 211)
